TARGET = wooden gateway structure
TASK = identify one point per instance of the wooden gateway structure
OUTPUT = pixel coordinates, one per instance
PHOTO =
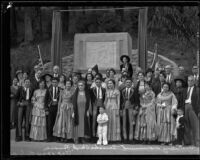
(56, 42)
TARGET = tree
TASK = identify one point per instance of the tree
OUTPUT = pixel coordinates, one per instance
(181, 22)
(13, 25)
(28, 36)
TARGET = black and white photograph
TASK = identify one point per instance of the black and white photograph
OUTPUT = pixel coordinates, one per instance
(103, 80)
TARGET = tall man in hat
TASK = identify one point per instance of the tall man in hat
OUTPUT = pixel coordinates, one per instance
(192, 111)
(126, 64)
(51, 107)
(129, 108)
(97, 99)
(23, 97)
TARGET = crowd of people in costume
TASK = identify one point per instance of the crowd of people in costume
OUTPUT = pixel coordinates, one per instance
(149, 107)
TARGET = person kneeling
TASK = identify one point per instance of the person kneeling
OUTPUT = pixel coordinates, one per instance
(102, 120)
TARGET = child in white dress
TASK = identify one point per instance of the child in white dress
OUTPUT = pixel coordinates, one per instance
(102, 120)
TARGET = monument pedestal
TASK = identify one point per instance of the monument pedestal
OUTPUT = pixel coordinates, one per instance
(103, 49)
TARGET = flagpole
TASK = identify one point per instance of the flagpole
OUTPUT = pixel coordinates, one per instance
(40, 56)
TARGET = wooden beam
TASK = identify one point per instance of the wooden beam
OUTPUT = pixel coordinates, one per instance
(142, 38)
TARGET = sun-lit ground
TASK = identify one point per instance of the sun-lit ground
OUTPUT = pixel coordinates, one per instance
(53, 148)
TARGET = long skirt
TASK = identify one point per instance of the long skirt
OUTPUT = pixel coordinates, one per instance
(38, 124)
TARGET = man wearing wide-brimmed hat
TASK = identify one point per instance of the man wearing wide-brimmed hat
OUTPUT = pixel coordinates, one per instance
(19, 75)
(126, 64)
(47, 76)
(179, 91)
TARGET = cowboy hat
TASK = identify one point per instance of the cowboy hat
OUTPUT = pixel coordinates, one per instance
(127, 57)
(45, 73)
(18, 71)
(179, 78)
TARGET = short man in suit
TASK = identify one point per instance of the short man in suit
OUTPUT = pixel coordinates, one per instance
(169, 74)
(97, 99)
(129, 109)
(24, 96)
(56, 71)
(52, 98)
(192, 111)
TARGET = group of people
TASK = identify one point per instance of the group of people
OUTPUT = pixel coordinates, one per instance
(145, 107)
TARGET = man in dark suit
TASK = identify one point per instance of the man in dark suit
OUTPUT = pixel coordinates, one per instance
(196, 75)
(126, 64)
(24, 96)
(35, 80)
(129, 108)
(192, 111)
(157, 83)
(97, 99)
(51, 99)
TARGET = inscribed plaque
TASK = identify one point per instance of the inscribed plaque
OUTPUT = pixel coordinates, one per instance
(101, 53)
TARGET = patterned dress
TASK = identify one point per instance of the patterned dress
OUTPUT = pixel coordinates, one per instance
(165, 121)
(38, 123)
(112, 104)
(64, 122)
(146, 122)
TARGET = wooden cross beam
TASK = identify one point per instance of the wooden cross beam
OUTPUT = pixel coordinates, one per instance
(56, 43)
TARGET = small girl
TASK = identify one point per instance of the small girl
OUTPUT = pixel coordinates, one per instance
(102, 120)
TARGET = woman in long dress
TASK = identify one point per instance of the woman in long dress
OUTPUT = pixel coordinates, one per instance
(13, 103)
(112, 105)
(82, 111)
(146, 124)
(38, 123)
(166, 108)
(63, 127)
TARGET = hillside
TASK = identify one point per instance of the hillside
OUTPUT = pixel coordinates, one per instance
(27, 55)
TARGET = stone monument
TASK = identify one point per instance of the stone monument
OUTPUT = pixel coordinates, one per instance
(103, 49)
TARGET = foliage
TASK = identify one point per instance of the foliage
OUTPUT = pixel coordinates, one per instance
(180, 22)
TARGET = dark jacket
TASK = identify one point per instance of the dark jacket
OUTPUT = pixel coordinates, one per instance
(21, 94)
(182, 122)
(194, 99)
(156, 87)
(133, 98)
(179, 93)
(34, 83)
(49, 97)
(93, 93)
(130, 69)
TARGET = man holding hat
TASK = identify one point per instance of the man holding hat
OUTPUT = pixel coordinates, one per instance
(126, 64)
